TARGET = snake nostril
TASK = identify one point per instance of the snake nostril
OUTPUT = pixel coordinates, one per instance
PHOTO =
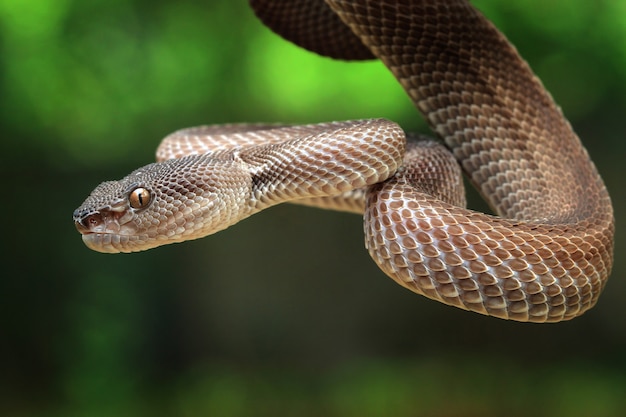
(86, 224)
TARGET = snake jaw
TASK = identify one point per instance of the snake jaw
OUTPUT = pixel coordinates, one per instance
(104, 230)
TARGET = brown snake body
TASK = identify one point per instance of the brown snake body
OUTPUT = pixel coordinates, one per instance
(545, 257)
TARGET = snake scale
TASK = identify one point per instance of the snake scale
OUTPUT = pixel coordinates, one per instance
(544, 256)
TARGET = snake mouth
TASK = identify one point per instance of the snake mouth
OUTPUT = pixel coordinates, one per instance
(105, 230)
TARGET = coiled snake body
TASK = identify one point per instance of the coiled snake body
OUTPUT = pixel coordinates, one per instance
(544, 258)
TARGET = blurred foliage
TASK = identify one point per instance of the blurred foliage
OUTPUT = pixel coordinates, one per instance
(283, 314)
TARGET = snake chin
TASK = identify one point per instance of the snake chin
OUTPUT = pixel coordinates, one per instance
(102, 242)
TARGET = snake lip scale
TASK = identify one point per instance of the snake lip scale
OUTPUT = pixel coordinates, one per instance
(546, 254)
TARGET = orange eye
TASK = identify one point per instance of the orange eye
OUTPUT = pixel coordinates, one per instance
(139, 198)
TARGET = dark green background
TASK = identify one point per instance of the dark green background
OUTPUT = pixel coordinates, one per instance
(283, 314)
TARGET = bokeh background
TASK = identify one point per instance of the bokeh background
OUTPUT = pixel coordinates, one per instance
(284, 313)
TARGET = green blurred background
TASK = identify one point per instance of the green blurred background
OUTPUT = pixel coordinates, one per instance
(283, 314)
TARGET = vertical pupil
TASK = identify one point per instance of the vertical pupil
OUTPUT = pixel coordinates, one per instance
(139, 198)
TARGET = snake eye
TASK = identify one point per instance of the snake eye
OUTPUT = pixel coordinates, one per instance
(139, 198)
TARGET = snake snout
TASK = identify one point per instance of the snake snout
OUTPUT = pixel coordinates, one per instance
(102, 221)
(86, 223)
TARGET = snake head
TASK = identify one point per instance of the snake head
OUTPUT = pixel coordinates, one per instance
(160, 203)
(108, 218)
(113, 216)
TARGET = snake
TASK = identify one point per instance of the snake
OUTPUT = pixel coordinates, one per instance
(543, 255)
